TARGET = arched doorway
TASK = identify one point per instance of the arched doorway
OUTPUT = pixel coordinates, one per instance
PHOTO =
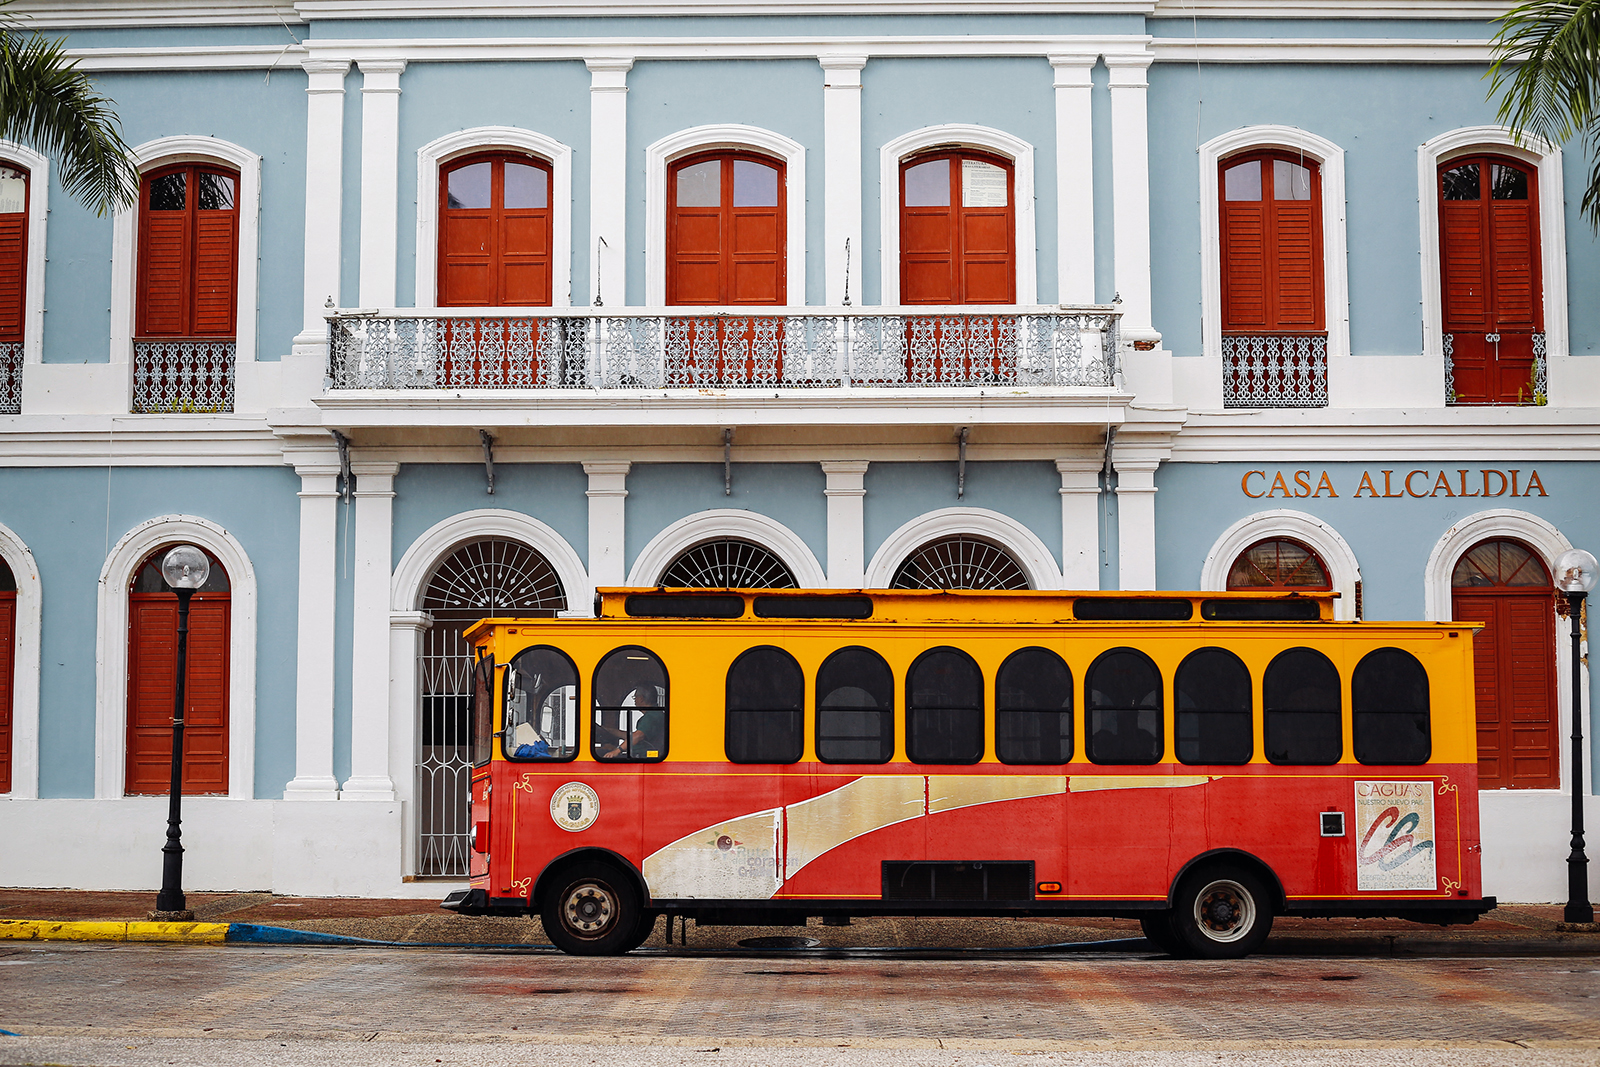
(1506, 586)
(960, 562)
(152, 672)
(728, 563)
(8, 665)
(1279, 563)
(493, 576)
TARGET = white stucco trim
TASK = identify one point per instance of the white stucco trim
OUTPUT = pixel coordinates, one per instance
(1552, 227)
(124, 238)
(33, 273)
(1335, 260)
(704, 139)
(1343, 567)
(431, 156)
(24, 667)
(892, 154)
(1023, 544)
(111, 648)
(445, 536)
(717, 523)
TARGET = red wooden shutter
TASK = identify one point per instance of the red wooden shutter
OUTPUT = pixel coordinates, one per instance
(188, 265)
(164, 273)
(962, 251)
(1272, 270)
(216, 273)
(1299, 265)
(14, 265)
(727, 253)
(205, 728)
(1244, 266)
(1513, 665)
(152, 657)
(1514, 237)
(525, 242)
(8, 666)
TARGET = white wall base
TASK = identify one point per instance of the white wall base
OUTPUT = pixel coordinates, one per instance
(1526, 840)
(1149, 375)
(1197, 382)
(76, 388)
(1385, 382)
(1574, 380)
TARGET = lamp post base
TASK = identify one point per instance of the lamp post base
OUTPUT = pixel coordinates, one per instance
(171, 916)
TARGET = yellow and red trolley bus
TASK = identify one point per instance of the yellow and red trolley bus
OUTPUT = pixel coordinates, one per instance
(1199, 761)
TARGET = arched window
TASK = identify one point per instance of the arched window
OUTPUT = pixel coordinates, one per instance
(188, 269)
(630, 707)
(1504, 585)
(8, 667)
(726, 229)
(1389, 708)
(958, 241)
(541, 709)
(13, 282)
(1490, 279)
(1279, 563)
(1211, 694)
(728, 563)
(944, 708)
(765, 711)
(959, 562)
(1033, 708)
(1123, 708)
(1271, 243)
(1302, 706)
(495, 231)
(152, 667)
(855, 708)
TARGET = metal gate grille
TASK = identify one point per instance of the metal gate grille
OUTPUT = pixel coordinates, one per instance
(728, 564)
(959, 563)
(484, 578)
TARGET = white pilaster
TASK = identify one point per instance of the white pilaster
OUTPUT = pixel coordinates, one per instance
(841, 137)
(1080, 523)
(608, 181)
(324, 177)
(1074, 180)
(313, 721)
(847, 532)
(1130, 178)
(1136, 523)
(369, 646)
(380, 178)
(608, 496)
(405, 694)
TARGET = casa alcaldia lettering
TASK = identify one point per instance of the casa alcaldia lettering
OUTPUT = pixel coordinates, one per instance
(1396, 484)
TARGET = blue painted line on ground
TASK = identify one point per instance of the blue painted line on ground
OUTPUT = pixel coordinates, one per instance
(8, 1033)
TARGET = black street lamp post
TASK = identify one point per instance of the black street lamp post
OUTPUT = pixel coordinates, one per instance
(1575, 576)
(185, 569)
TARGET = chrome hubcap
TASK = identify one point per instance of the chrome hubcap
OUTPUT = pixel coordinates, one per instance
(1224, 911)
(589, 909)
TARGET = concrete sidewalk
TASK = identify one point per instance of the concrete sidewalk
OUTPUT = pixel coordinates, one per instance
(1508, 930)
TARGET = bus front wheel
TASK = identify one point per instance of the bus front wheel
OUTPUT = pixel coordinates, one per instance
(1221, 913)
(592, 909)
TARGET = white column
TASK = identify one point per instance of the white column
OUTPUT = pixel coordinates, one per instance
(405, 716)
(608, 179)
(1130, 178)
(1080, 523)
(847, 532)
(1074, 179)
(324, 178)
(841, 158)
(369, 645)
(1136, 523)
(608, 496)
(313, 720)
(380, 178)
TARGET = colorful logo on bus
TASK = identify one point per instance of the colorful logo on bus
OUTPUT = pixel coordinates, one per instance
(1394, 836)
(574, 807)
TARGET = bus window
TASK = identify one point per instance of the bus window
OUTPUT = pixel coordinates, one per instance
(766, 708)
(1033, 708)
(1389, 705)
(1123, 691)
(1301, 694)
(482, 710)
(855, 708)
(1212, 694)
(944, 708)
(541, 706)
(630, 706)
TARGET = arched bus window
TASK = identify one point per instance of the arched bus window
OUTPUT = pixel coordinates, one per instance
(494, 231)
(1123, 701)
(630, 706)
(481, 707)
(944, 708)
(1211, 693)
(1033, 708)
(957, 229)
(855, 708)
(765, 718)
(1389, 708)
(541, 711)
(1302, 706)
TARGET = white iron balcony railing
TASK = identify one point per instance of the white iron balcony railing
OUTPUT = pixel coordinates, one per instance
(183, 375)
(1274, 370)
(699, 348)
(10, 377)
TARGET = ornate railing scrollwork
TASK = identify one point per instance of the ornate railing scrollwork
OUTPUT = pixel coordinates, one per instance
(1275, 370)
(183, 375)
(11, 378)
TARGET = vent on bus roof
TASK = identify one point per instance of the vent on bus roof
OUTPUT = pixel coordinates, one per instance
(1132, 609)
(909, 880)
(1296, 610)
(814, 607)
(667, 606)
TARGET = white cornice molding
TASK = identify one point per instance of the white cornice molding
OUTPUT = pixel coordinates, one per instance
(1419, 435)
(510, 9)
(1320, 50)
(1477, 10)
(202, 57)
(105, 14)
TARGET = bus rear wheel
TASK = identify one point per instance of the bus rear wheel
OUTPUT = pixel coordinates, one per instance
(1157, 929)
(1221, 913)
(592, 909)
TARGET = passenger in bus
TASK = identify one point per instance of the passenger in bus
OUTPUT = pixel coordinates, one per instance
(649, 735)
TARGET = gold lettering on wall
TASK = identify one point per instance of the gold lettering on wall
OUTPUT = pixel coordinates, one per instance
(1396, 484)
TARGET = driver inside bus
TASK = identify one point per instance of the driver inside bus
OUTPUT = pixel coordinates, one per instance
(649, 733)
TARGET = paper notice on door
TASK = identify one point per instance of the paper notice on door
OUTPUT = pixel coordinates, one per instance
(982, 184)
(13, 195)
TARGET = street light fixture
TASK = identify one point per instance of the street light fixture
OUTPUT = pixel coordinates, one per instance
(185, 569)
(1576, 571)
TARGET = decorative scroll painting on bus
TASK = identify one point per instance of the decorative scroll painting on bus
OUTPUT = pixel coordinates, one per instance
(1394, 824)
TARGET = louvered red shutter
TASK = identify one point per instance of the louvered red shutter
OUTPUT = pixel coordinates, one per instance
(216, 273)
(1244, 265)
(205, 729)
(1527, 660)
(1514, 236)
(152, 659)
(8, 663)
(1299, 265)
(164, 240)
(13, 273)
(1464, 277)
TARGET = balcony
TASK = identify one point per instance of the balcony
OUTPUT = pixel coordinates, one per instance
(1275, 370)
(10, 377)
(183, 375)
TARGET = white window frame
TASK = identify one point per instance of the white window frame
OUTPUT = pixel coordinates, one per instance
(1344, 570)
(1024, 546)
(1335, 254)
(717, 523)
(432, 157)
(733, 138)
(24, 666)
(956, 135)
(33, 275)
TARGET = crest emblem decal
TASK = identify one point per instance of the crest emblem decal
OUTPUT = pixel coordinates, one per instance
(574, 807)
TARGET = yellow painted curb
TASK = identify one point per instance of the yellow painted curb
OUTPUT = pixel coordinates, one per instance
(43, 930)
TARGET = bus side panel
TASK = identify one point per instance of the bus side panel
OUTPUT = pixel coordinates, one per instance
(1032, 828)
(853, 869)
(1126, 843)
(540, 839)
(712, 831)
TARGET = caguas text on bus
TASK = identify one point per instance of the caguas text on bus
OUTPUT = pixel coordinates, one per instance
(1396, 484)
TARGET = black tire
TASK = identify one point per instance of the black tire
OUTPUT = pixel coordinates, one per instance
(647, 926)
(1157, 927)
(1221, 913)
(592, 909)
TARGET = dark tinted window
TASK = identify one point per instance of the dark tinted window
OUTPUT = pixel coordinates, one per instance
(1211, 694)
(765, 710)
(650, 605)
(1137, 609)
(1389, 708)
(1302, 705)
(630, 706)
(1123, 708)
(944, 708)
(855, 708)
(1033, 708)
(541, 720)
(1260, 610)
(482, 710)
(813, 607)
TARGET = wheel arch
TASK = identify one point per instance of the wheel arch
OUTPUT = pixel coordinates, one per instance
(1250, 862)
(581, 855)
